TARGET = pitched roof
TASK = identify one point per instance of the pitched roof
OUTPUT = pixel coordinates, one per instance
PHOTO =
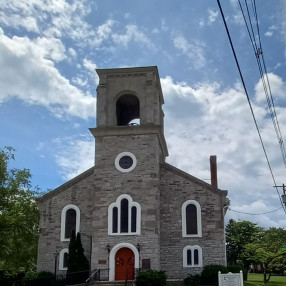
(67, 185)
(193, 179)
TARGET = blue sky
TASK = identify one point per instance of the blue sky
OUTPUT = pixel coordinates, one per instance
(49, 51)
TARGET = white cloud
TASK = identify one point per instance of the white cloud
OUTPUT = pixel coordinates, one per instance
(75, 156)
(91, 68)
(258, 211)
(132, 34)
(79, 81)
(278, 88)
(212, 15)
(268, 34)
(72, 52)
(204, 120)
(31, 76)
(55, 19)
(194, 51)
(50, 48)
(102, 33)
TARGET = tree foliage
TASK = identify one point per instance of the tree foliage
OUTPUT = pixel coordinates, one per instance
(78, 265)
(19, 217)
(268, 250)
(238, 235)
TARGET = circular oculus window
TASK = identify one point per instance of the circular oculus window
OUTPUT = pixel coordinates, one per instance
(125, 162)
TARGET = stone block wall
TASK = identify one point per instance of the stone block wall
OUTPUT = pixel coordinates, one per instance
(176, 187)
(79, 192)
(141, 184)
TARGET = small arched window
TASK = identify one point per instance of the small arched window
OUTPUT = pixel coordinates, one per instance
(70, 221)
(127, 110)
(63, 259)
(192, 256)
(124, 216)
(191, 219)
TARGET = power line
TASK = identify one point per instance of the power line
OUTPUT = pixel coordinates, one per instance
(255, 214)
(257, 47)
(249, 103)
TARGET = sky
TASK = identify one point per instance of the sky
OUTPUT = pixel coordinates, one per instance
(49, 50)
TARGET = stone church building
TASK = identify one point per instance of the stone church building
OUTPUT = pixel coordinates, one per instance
(132, 209)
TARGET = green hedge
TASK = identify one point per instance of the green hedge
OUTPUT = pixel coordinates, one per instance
(209, 275)
(151, 278)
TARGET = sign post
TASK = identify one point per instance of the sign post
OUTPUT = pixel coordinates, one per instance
(230, 279)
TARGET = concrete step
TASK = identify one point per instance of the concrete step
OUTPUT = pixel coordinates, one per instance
(113, 283)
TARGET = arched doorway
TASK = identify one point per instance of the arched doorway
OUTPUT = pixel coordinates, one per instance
(124, 264)
(112, 255)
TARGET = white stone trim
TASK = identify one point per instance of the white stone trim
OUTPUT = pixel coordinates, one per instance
(192, 248)
(63, 220)
(199, 219)
(112, 257)
(122, 154)
(131, 204)
(61, 259)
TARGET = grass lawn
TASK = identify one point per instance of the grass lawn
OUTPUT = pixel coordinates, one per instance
(257, 280)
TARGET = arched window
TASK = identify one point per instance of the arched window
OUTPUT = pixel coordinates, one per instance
(124, 216)
(63, 259)
(191, 219)
(127, 110)
(192, 256)
(70, 221)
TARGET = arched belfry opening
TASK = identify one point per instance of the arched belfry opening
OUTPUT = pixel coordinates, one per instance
(128, 110)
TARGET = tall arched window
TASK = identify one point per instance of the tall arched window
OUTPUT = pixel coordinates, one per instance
(70, 221)
(191, 219)
(124, 216)
(192, 256)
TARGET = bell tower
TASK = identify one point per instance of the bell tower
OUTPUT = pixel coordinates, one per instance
(129, 102)
(130, 146)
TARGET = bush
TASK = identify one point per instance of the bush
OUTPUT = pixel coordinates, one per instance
(42, 278)
(209, 274)
(151, 278)
(192, 280)
(236, 269)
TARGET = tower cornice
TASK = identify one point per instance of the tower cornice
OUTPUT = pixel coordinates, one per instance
(132, 130)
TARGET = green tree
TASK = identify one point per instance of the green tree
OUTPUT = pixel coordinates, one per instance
(19, 217)
(268, 250)
(238, 235)
(78, 265)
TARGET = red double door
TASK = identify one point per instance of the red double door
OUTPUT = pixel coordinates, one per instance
(124, 264)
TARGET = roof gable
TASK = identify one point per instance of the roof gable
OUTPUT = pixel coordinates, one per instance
(67, 185)
(193, 179)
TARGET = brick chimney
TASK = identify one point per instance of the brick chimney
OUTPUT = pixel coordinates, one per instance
(213, 168)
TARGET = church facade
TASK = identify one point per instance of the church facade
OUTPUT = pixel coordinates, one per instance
(132, 209)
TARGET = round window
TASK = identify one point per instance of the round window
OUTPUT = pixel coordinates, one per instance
(125, 162)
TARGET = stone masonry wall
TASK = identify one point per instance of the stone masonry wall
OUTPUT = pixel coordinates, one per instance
(175, 190)
(141, 184)
(79, 194)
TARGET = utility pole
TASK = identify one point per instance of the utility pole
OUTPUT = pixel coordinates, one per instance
(284, 193)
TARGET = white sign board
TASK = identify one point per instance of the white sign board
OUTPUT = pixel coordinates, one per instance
(230, 279)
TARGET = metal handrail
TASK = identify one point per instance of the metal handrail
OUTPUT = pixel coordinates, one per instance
(90, 278)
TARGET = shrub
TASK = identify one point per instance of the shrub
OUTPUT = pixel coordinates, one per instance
(209, 274)
(236, 269)
(78, 265)
(151, 278)
(192, 280)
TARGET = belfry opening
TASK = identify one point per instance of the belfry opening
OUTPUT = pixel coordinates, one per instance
(128, 110)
